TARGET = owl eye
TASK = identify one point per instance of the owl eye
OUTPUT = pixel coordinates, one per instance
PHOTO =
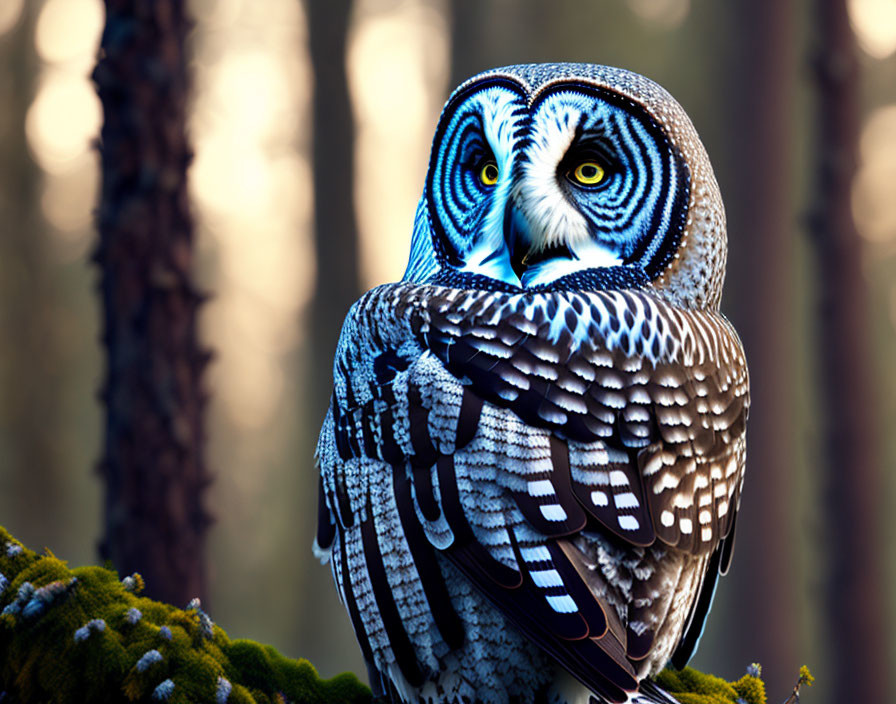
(488, 174)
(588, 173)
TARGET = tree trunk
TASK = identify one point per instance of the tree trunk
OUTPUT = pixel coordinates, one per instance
(756, 89)
(335, 223)
(856, 608)
(337, 286)
(153, 465)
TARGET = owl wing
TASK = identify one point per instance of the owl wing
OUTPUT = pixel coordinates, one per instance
(502, 425)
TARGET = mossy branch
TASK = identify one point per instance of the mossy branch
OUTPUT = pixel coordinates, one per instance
(84, 635)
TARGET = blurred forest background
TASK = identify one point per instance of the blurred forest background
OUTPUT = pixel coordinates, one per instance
(311, 124)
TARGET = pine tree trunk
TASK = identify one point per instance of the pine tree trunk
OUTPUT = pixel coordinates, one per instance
(335, 223)
(756, 90)
(856, 608)
(337, 283)
(153, 464)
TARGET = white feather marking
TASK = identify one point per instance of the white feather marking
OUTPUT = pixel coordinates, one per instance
(553, 512)
(669, 480)
(562, 604)
(599, 498)
(682, 501)
(508, 394)
(618, 478)
(538, 553)
(626, 500)
(629, 523)
(542, 487)
(320, 553)
(654, 464)
(636, 413)
(639, 395)
(731, 466)
(546, 578)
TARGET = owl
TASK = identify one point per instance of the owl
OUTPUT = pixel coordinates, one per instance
(533, 457)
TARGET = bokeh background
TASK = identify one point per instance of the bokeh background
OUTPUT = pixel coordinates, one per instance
(743, 72)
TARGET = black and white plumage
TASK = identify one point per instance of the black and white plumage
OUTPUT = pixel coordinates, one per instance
(533, 458)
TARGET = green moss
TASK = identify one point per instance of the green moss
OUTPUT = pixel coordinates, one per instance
(750, 689)
(83, 635)
(692, 687)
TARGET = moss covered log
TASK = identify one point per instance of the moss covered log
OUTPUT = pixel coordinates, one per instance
(84, 635)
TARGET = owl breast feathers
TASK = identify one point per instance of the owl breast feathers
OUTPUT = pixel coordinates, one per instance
(533, 457)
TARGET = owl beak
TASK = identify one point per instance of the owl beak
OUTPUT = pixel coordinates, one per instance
(525, 255)
(516, 236)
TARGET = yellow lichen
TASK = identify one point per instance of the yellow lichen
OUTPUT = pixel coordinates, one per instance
(806, 677)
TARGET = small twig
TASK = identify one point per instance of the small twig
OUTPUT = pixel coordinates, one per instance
(807, 679)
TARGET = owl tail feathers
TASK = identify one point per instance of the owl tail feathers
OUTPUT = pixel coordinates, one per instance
(382, 687)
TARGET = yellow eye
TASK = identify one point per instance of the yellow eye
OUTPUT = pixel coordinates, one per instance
(588, 173)
(489, 173)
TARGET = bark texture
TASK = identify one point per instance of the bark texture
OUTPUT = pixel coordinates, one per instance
(856, 607)
(153, 467)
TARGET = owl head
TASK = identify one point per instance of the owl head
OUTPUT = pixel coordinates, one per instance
(569, 177)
